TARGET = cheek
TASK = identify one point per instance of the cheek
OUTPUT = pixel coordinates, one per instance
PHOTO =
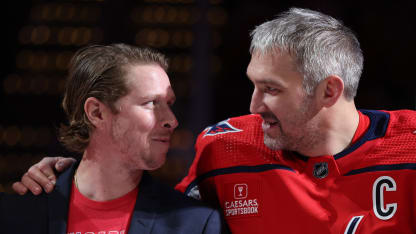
(277, 105)
(142, 124)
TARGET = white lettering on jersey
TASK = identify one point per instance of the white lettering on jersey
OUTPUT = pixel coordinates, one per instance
(381, 210)
(241, 207)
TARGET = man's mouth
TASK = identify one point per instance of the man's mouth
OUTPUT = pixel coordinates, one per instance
(269, 120)
(267, 124)
(162, 139)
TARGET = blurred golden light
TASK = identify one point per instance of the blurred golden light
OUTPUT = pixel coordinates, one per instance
(58, 12)
(176, 63)
(62, 60)
(40, 34)
(177, 38)
(84, 36)
(25, 34)
(184, 15)
(187, 64)
(188, 38)
(38, 85)
(70, 12)
(162, 38)
(141, 36)
(159, 14)
(36, 13)
(217, 16)
(156, 37)
(151, 37)
(48, 12)
(147, 14)
(181, 63)
(171, 14)
(23, 59)
(11, 83)
(39, 61)
(83, 14)
(196, 16)
(74, 36)
(64, 36)
(61, 85)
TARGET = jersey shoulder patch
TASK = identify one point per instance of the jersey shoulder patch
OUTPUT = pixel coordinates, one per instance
(220, 128)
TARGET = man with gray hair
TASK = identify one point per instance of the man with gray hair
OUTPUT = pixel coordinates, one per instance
(306, 160)
(319, 165)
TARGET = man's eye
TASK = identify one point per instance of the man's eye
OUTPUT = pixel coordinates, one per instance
(270, 90)
(150, 103)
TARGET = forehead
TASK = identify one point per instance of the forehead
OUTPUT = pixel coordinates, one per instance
(147, 79)
(271, 61)
(273, 66)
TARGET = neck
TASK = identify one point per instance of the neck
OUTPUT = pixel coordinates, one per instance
(103, 177)
(337, 127)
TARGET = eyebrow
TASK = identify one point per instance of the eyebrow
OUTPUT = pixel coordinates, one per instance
(268, 81)
(170, 97)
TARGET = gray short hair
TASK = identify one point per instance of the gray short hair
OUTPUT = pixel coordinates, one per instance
(321, 46)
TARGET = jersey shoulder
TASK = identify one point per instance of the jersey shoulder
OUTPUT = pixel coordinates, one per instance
(236, 141)
(397, 142)
(233, 142)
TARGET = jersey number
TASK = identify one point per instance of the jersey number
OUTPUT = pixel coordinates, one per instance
(381, 210)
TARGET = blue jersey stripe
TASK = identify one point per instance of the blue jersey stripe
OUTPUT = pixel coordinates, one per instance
(352, 226)
(236, 169)
(390, 167)
(378, 126)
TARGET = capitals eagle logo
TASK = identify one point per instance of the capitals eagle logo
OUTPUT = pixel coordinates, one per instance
(220, 128)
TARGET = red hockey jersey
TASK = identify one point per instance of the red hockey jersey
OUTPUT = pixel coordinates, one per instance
(369, 187)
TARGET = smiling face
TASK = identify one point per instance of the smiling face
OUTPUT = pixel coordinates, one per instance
(287, 112)
(142, 128)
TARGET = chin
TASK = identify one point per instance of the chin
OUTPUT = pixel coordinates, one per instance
(155, 164)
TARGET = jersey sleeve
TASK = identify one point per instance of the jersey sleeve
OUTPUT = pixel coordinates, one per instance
(233, 142)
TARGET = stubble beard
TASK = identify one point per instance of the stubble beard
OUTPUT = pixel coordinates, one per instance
(302, 136)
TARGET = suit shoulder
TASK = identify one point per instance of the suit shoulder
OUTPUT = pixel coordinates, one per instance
(28, 209)
(175, 198)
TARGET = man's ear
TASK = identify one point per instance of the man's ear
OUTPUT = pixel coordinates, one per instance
(331, 90)
(95, 111)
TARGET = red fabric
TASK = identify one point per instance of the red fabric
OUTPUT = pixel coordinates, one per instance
(265, 191)
(88, 216)
(364, 123)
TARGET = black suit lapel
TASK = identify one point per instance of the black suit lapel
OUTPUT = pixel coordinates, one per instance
(145, 210)
(58, 202)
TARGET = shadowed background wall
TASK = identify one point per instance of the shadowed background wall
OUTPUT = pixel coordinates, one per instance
(207, 42)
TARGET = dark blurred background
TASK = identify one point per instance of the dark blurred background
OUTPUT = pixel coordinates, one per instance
(207, 42)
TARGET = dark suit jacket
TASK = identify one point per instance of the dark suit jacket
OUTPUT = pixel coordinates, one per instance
(158, 209)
